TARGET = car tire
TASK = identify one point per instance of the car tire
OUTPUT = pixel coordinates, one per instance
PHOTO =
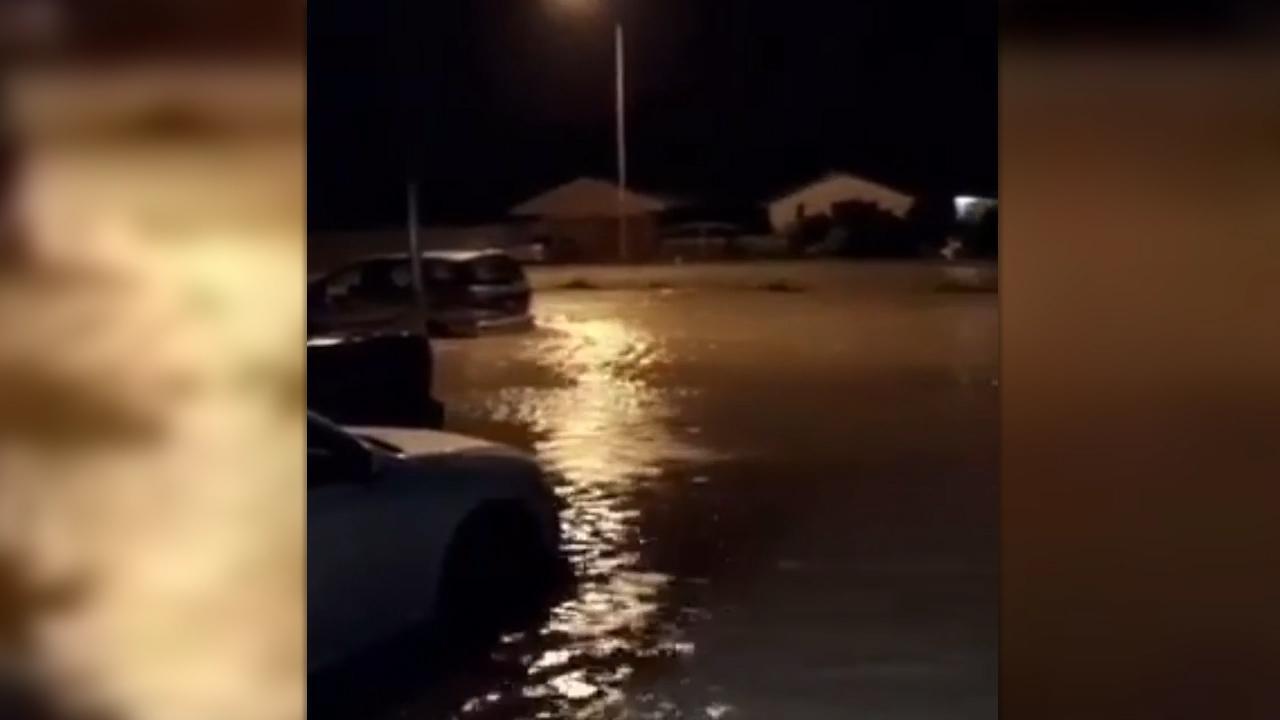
(497, 575)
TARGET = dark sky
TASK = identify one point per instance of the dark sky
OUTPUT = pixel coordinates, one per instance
(730, 100)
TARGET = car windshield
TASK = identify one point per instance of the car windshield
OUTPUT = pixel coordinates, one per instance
(438, 271)
(374, 443)
(493, 269)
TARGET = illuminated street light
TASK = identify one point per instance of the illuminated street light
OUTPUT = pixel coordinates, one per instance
(620, 111)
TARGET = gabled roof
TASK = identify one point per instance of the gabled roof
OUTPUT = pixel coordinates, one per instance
(843, 186)
(834, 175)
(586, 198)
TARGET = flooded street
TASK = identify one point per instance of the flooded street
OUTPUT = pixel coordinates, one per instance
(779, 504)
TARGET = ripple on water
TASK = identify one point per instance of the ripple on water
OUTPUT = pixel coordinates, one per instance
(602, 431)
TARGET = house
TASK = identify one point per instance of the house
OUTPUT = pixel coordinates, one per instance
(824, 195)
(579, 221)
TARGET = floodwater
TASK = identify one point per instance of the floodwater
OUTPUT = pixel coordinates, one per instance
(780, 504)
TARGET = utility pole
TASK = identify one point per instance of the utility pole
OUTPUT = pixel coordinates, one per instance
(415, 258)
(621, 110)
(411, 63)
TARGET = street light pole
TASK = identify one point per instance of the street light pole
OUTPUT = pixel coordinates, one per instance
(621, 111)
(410, 61)
(415, 257)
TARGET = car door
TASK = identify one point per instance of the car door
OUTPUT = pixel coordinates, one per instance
(378, 526)
(354, 555)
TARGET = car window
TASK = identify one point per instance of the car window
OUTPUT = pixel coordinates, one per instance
(381, 283)
(386, 282)
(439, 272)
(494, 269)
(339, 287)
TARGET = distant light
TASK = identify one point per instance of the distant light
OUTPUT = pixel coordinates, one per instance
(324, 342)
(964, 203)
(971, 207)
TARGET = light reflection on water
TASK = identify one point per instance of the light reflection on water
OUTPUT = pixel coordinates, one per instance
(843, 525)
(602, 430)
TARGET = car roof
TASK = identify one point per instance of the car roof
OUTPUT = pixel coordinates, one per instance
(450, 255)
(446, 255)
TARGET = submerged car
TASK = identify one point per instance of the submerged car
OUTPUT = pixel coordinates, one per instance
(468, 292)
(417, 528)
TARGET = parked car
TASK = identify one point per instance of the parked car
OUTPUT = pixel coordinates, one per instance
(531, 253)
(468, 292)
(701, 240)
(415, 528)
(373, 378)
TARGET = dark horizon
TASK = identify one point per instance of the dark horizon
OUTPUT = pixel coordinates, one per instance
(727, 104)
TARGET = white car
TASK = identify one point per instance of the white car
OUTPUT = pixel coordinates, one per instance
(412, 528)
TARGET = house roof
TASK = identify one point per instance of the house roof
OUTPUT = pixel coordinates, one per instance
(839, 186)
(832, 176)
(588, 197)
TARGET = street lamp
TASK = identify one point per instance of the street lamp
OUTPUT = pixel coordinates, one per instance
(620, 111)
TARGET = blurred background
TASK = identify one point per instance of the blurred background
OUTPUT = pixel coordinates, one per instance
(151, 366)
(1139, 171)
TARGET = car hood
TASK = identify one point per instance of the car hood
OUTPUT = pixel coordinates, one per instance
(466, 468)
(415, 442)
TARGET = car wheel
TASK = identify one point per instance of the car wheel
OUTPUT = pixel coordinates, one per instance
(496, 576)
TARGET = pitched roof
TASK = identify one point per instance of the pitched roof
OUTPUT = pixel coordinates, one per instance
(828, 177)
(588, 197)
(850, 187)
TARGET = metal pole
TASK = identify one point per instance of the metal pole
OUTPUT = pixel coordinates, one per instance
(415, 258)
(620, 65)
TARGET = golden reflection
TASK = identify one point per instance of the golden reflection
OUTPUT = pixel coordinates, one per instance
(604, 431)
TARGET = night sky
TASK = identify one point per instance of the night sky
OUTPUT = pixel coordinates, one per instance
(730, 100)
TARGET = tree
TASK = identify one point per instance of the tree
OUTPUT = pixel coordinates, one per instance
(870, 231)
(810, 231)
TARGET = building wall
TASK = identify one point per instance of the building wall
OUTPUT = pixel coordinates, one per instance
(820, 197)
(595, 239)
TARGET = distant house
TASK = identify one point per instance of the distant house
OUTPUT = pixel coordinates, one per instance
(579, 221)
(824, 195)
